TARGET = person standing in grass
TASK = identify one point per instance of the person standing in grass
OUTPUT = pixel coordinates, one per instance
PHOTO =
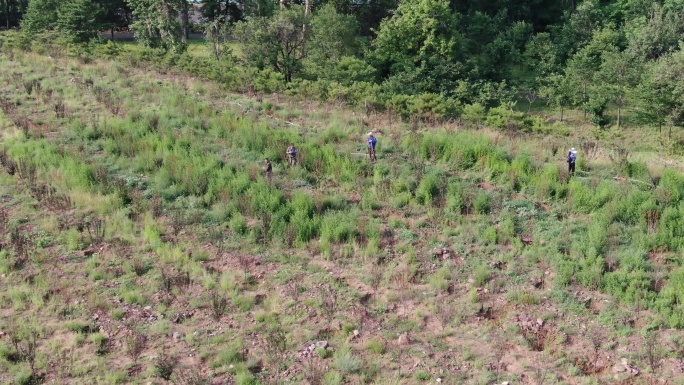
(269, 169)
(372, 141)
(572, 159)
(292, 154)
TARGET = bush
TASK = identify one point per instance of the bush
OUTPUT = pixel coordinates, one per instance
(482, 203)
(345, 361)
(238, 224)
(429, 189)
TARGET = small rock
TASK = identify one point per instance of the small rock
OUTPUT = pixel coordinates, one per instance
(404, 339)
(506, 383)
(540, 322)
(321, 345)
(439, 380)
(147, 308)
(177, 336)
(356, 333)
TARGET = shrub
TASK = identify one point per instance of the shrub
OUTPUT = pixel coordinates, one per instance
(375, 346)
(245, 378)
(345, 361)
(482, 203)
(672, 183)
(429, 189)
(238, 224)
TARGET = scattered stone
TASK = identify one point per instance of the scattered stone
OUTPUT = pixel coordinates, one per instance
(178, 318)
(404, 339)
(439, 380)
(540, 322)
(624, 367)
(322, 344)
(177, 336)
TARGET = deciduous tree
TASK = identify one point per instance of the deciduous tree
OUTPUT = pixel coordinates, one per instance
(277, 42)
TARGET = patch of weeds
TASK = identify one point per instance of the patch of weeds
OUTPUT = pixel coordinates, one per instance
(333, 378)
(375, 346)
(81, 327)
(133, 297)
(164, 365)
(481, 275)
(245, 378)
(346, 362)
(101, 343)
(189, 376)
(422, 375)
(118, 313)
(219, 304)
(135, 343)
(244, 302)
(116, 377)
(524, 297)
(141, 267)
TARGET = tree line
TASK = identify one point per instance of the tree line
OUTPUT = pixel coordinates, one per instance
(422, 57)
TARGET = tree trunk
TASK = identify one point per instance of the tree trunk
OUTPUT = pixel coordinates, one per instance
(619, 116)
(307, 7)
(112, 33)
(584, 99)
(282, 3)
(7, 14)
(184, 19)
(561, 113)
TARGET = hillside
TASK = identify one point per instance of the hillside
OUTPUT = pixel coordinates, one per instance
(142, 243)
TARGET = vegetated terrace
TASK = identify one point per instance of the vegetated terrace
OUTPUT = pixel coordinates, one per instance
(142, 242)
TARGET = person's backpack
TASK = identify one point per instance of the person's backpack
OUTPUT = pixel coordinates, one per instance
(374, 141)
(572, 158)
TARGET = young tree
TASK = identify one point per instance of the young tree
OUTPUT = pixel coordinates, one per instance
(558, 91)
(617, 75)
(420, 48)
(333, 37)
(115, 14)
(650, 38)
(653, 101)
(277, 42)
(79, 20)
(226, 11)
(663, 83)
(41, 15)
(157, 24)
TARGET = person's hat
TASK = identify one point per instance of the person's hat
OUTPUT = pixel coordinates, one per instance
(370, 133)
(573, 150)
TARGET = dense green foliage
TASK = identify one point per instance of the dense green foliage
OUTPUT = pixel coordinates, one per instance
(606, 58)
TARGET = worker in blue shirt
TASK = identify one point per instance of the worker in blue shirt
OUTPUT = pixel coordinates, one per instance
(372, 141)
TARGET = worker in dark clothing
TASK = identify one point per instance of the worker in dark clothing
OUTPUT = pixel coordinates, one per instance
(572, 159)
(269, 169)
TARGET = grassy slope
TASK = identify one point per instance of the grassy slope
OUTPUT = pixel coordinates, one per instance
(166, 246)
